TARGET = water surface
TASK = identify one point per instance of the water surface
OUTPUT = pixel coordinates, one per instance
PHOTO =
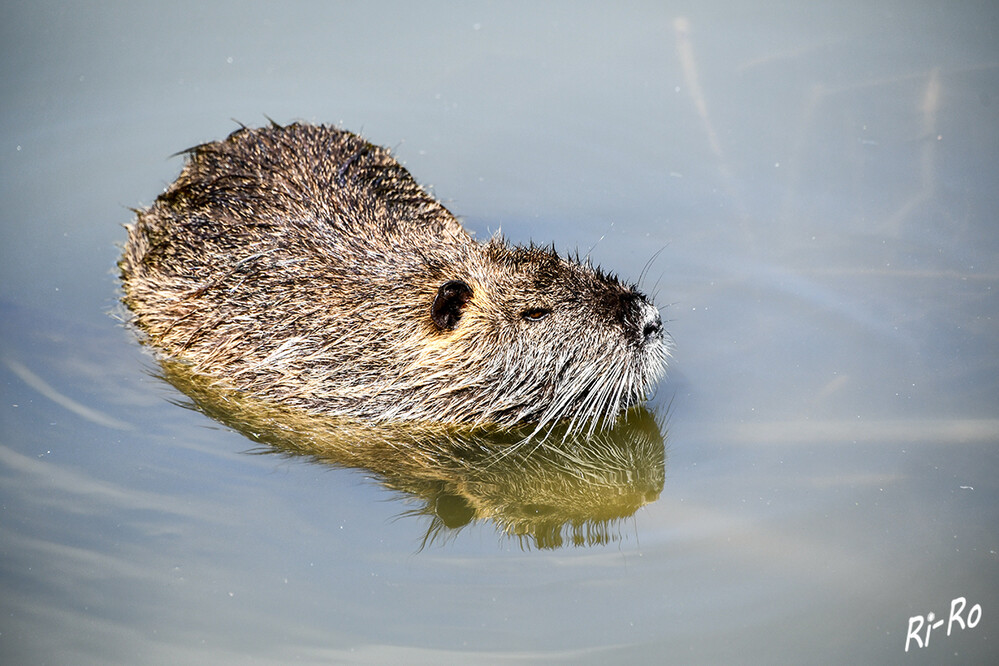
(811, 193)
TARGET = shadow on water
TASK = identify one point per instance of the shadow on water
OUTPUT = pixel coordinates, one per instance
(545, 494)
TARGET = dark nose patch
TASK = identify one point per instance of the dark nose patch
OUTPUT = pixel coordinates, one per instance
(640, 318)
(653, 327)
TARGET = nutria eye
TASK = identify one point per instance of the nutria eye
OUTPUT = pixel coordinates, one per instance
(535, 314)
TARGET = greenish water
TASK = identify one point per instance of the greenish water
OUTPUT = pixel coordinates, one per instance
(815, 190)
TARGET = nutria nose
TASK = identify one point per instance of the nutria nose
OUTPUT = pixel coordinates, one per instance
(642, 316)
(653, 323)
(653, 328)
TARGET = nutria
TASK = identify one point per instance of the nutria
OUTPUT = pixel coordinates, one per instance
(303, 265)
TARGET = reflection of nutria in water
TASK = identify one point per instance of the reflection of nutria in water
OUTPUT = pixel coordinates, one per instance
(576, 490)
(305, 266)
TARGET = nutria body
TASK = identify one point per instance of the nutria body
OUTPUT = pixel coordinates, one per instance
(305, 266)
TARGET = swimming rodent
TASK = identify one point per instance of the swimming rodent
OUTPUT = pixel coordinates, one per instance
(304, 266)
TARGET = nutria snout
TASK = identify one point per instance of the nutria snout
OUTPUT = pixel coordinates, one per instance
(303, 265)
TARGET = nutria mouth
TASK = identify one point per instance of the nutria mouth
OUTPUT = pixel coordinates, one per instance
(304, 266)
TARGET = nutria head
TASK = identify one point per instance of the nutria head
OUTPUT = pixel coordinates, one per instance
(305, 266)
(552, 338)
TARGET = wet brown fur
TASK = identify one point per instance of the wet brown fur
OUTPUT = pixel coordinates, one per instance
(300, 264)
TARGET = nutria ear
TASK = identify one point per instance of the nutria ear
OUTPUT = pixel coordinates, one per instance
(450, 298)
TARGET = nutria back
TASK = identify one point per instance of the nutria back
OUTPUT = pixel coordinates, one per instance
(305, 266)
